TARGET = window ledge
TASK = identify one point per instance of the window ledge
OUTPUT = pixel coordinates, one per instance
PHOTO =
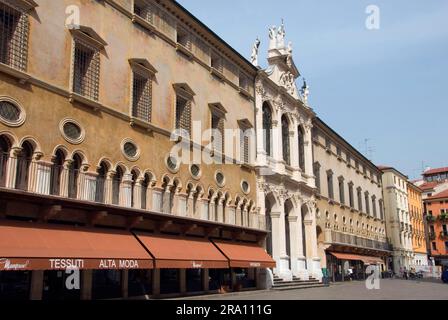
(217, 73)
(75, 97)
(22, 76)
(135, 122)
(184, 50)
(143, 23)
(244, 93)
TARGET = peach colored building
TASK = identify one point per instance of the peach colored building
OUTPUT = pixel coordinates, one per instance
(415, 203)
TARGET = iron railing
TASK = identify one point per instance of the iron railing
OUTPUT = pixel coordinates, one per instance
(347, 239)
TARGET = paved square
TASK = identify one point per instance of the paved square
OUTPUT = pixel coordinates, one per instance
(390, 290)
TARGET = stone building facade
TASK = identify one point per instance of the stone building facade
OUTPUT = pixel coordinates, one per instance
(285, 181)
(350, 208)
(87, 110)
(418, 226)
(399, 225)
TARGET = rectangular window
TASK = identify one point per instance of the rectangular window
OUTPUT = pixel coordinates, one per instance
(341, 191)
(374, 207)
(245, 146)
(445, 230)
(330, 185)
(183, 114)
(141, 97)
(14, 30)
(339, 151)
(183, 38)
(351, 195)
(144, 10)
(328, 143)
(86, 71)
(367, 200)
(218, 132)
(216, 62)
(360, 200)
(316, 172)
(244, 82)
(434, 246)
(381, 204)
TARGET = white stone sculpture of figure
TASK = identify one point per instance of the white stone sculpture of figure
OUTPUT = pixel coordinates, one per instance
(289, 55)
(254, 57)
(273, 38)
(305, 91)
(281, 36)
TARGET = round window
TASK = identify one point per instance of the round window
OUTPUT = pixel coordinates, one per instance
(11, 114)
(72, 130)
(195, 171)
(130, 150)
(172, 163)
(245, 186)
(220, 179)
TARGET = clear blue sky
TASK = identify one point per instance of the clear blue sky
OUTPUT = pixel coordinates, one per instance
(388, 85)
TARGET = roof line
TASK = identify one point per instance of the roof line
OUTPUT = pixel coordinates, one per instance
(254, 68)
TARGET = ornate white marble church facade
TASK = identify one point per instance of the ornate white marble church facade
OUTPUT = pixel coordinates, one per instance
(284, 162)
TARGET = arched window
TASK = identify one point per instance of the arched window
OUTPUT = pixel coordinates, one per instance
(102, 171)
(301, 149)
(145, 185)
(73, 176)
(267, 129)
(285, 140)
(5, 147)
(116, 186)
(23, 166)
(56, 172)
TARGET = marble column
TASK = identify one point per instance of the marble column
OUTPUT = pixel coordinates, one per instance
(298, 260)
(279, 245)
(11, 168)
(126, 191)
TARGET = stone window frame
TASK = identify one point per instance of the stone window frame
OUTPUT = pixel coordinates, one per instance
(77, 141)
(183, 91)
(330, 184)
(16, 103)
(341, 184)
(145, 70)
(245, 141)
(130, 158)
(248, 188)
(217, 110)
(23, 9)
(86, 38)
(221, 185)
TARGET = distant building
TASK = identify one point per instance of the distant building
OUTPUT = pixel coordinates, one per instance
(436, 209)
(350, 216)
(399, 228)
(418, 226)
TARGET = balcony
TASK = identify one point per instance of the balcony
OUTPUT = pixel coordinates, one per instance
(431, 219)
(432, 236)
(347, 239)
(117, 189)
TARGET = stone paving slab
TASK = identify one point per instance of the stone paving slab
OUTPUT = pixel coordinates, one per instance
(390, 289)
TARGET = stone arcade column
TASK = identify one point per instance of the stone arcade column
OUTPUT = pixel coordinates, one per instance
(126, 191)
(65, 178)
(43, 177)
(166, 199)
(298, 260)
(279, 245)
(88, 185)
(137, 194)
(157, 201)
(313, 260)
(190, 204)
(11, 169)
(220, 210)
(181, 204)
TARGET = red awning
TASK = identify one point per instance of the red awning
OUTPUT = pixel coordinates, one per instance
(245, 255)
(356, 257)
(32, 246)
(183, 252)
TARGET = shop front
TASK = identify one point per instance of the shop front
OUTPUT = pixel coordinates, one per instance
(53, 262)
(352, 267)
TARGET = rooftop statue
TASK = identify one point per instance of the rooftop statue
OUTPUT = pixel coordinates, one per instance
(255, 49)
